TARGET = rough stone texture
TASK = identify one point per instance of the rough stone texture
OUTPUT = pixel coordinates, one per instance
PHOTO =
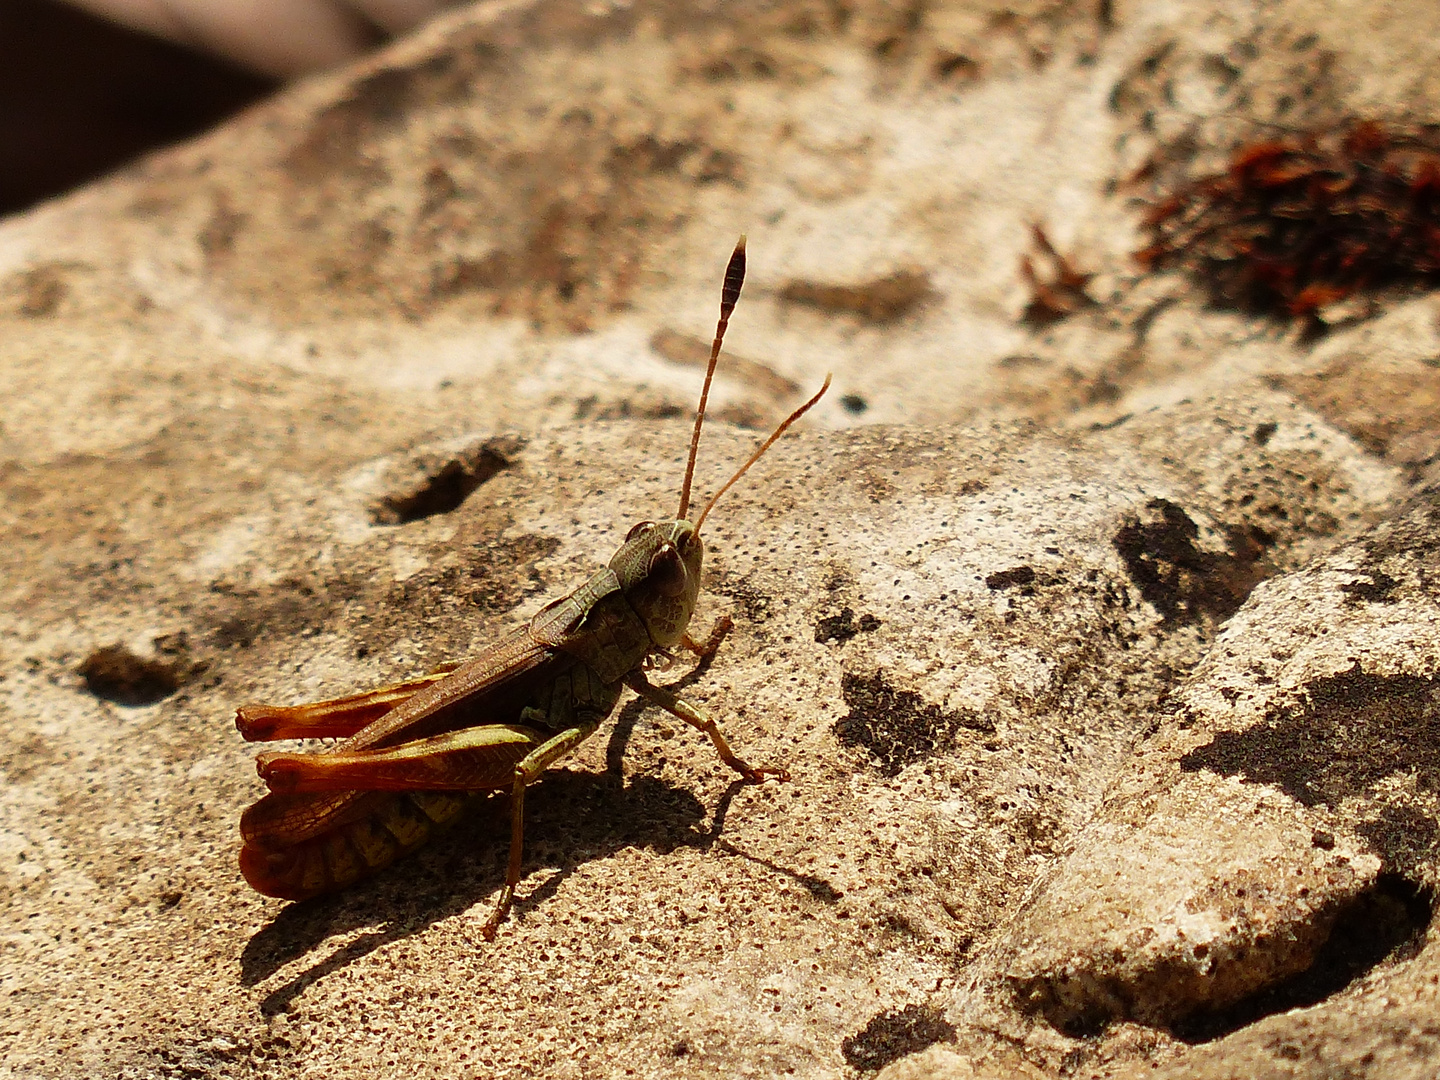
(1111, 714)
(1274, 841)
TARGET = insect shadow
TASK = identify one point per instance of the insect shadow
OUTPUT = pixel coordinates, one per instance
(572, 818)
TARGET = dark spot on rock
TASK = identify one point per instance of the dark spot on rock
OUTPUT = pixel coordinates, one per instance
(836, 627)
(241, 616)
(753, 603)
(1379, 589)
(819, 888)
(176, 644)
(234, 630)
(1016, 575)
(1386, 922)
(497, 575)
(955, 67)
(880, 300)
(119, 675)
(1323, 840)
(843, 627)
(505, 572)
(446, 484)
(898, 727)
(854, 404)
(1264, 432)
(1346, 734)
(1182, 581)
(890, 1036)
(738, 63)
(217, 236)
(42, 288)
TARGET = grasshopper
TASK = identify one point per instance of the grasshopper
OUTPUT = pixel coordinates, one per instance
(415, 754)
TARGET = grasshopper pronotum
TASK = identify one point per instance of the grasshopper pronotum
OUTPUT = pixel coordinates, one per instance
(412, 753)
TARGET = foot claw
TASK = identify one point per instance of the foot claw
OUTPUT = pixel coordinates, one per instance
(723, 626)
(757, 775)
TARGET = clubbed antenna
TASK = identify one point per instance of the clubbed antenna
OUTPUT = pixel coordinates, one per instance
(729, 294)
(801, 411)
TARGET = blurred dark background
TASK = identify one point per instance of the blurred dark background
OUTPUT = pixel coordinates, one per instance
(79, 96)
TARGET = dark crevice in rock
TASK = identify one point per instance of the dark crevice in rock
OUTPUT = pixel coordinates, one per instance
(890, 1036)
(1386, 922)
(446, 484)
(1331, 949)
(898, 727)
(1182, 581)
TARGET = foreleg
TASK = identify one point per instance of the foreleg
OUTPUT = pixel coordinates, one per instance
(676, 706)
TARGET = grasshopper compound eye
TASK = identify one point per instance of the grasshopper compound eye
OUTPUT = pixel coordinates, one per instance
(638, 528)
(667, 570)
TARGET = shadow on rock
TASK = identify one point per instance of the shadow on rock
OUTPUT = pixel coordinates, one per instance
(571, 818)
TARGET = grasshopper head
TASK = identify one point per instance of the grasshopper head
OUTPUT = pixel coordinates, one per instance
(659, 563)
(659, 571)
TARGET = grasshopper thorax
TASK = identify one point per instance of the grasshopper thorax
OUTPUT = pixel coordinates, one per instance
(659, 571)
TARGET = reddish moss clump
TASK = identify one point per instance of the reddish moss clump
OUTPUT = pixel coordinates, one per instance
(1057, 293)
(1299, 223)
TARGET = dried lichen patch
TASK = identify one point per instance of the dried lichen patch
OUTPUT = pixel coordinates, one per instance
(1347, 733)
(898, 727)
(1182, 580)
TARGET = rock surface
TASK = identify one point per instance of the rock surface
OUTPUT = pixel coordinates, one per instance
(1100, 646)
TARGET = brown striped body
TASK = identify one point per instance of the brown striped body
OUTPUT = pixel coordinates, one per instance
(343, 816)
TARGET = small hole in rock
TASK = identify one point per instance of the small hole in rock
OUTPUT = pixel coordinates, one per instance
(446, 484)
(116, 674)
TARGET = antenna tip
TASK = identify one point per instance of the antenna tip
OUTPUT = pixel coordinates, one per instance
(740, 244)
